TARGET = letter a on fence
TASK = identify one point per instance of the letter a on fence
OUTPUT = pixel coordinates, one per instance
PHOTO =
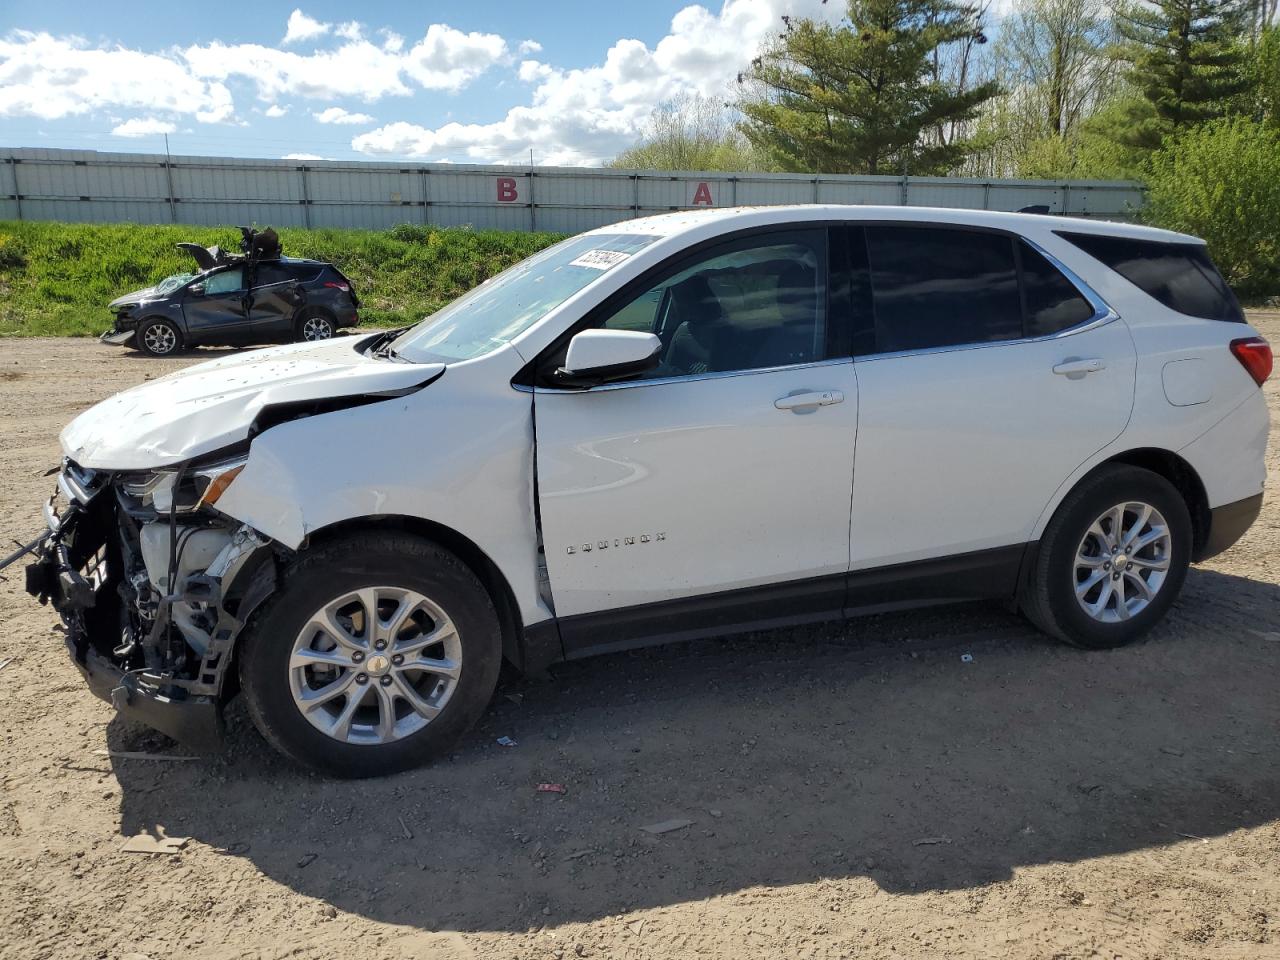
(507, 190)
(702, 196)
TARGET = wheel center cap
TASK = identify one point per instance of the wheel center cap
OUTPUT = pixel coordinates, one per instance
(378, 665)
(1121, 560)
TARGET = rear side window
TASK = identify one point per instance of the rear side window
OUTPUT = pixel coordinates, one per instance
(269, 273)
(1179, 275)
(1052, 301)
(934, 287)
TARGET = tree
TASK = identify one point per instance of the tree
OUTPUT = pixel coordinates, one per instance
(690, 132)
(1186, 60)
(1221, 181)
(1055, 53)
(862, 97)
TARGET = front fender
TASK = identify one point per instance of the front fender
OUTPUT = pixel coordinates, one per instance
(458, 454)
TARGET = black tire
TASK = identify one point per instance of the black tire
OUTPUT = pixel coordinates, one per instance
(1048, 598)
(313, 325)
(154, 334)
(366, 560)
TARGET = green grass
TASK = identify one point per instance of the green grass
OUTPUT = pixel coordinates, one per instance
(57, 278)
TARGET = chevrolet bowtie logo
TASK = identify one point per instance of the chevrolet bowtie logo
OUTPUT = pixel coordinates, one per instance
(616, 542)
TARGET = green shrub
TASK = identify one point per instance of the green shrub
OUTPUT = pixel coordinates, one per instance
(1221, 181)
(57, 278)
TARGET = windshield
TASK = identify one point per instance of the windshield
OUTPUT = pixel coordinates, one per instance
(505, 306)
(170, 284)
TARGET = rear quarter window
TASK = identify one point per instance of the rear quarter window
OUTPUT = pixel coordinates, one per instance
(1179, 275)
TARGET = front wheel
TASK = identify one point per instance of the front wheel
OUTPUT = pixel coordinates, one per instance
(158, 338)
(377, 654)
(1112, 559)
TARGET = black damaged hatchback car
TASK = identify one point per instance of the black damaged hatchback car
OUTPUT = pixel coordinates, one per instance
(255, 296)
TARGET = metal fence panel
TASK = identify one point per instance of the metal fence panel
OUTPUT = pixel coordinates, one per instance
(84, 185)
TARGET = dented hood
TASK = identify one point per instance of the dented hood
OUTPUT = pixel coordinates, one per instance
(212, 405)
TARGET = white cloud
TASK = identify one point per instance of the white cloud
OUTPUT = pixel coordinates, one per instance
(588, 115)
(143, 127)
(53, 77)
(338, 115)
(351, 30)
(529, 46)
(301, 27)
(275, 110)
(303, 156)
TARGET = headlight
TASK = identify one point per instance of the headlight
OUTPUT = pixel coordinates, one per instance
(212, 481)
(201, 486)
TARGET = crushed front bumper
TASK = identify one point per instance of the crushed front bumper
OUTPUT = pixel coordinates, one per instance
(142, 668)
(117, 338)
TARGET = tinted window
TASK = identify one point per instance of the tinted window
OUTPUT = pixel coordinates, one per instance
(936, 287)
(268, 273)
(743, 306)
(1179, 275)
(1052, 301)
(228, 281)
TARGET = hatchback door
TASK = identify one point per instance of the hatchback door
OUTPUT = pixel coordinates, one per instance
(714, 491)
(214, 308)
(987, 377)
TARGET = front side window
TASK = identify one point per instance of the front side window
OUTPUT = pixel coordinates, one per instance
(744, 305)
(937, 287)
(228, 281)
(1179, 275)
(504, 306)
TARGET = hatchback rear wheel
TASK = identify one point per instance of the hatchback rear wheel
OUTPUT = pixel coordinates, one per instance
(1112, 560)
(315, 326)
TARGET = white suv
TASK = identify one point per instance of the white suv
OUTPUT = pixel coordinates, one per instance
(668, 428)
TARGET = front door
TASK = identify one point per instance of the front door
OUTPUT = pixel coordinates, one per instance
(215, 308)
(715, 490)
(987, 378)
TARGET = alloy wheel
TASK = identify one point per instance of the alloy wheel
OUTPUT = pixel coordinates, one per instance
(1122, 562)
(160, 338)
(375, 665)
(316, 328)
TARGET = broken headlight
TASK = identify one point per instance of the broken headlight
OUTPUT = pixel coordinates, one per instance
(183, 490)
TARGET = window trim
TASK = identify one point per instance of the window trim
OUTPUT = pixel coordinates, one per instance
(529, 375)
(1103, 313)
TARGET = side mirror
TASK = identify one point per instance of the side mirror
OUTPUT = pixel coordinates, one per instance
(197, 289)
(605, 356)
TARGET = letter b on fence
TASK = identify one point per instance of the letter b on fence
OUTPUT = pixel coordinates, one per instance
(507, 190)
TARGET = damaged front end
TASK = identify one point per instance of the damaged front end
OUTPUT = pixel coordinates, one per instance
(153, 586)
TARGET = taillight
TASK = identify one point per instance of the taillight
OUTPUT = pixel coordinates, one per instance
(338, 286)
(1254, 355)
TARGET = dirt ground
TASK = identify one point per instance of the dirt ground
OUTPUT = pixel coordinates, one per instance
(856, 790)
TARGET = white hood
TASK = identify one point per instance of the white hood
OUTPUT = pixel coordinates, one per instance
(212, 405)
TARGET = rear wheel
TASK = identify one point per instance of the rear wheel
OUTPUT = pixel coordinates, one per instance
(1112, 560)
(315, 325)
(158, 337)
(377, 654)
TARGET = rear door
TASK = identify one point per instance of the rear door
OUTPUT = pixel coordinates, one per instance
(274, 299)
(715, 490)
(987, 376)
(214, 308)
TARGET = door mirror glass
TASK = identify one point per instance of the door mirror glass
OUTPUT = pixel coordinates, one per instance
(604, 356)
(197, 289)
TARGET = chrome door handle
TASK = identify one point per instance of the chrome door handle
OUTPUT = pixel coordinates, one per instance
(817, 398)
(1075, 368)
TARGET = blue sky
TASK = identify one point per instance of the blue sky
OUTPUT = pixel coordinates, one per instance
(444, 81)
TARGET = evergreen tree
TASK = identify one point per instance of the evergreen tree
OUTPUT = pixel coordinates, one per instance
(1185, 59)
(862, 97)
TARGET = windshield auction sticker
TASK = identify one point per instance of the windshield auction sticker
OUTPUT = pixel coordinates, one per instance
(600, 259)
